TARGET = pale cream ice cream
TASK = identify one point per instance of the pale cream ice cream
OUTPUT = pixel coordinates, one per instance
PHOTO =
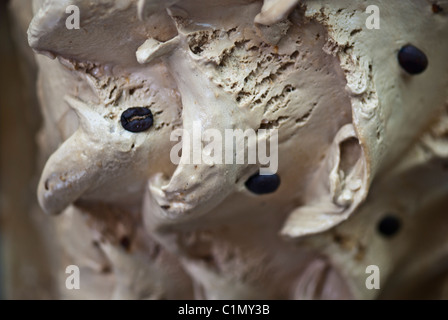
(358, 138)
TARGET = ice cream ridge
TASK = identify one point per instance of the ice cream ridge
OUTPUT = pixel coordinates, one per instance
(353, 93)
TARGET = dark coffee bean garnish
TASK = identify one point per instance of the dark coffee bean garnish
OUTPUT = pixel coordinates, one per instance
(412, 59)
(125, 243)
(106, 269)
(389, 225)
(436, 8)
(263, 184)
(137, 119)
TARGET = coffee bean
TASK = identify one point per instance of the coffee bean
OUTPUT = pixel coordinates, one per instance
(137, 119)
(436, 8)
(412, 59)
(389, 225)
(125, 243)
(263, 184)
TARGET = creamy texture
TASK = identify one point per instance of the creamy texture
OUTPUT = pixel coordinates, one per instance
(347, 116)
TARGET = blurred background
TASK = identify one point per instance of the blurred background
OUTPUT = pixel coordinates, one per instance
(23, 262)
